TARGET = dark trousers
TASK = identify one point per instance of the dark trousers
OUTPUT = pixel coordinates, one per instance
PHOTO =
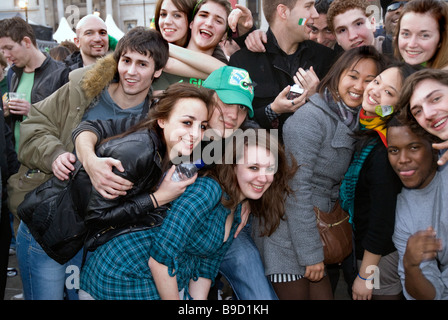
(5, 241)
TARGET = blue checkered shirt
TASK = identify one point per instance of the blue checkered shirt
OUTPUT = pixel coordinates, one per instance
(190, 242)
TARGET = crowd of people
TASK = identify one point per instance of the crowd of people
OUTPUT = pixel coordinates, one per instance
(367, 133)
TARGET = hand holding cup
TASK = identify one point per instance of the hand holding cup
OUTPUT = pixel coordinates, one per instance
(16, 104)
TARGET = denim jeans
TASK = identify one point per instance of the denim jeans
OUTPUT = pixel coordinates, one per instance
(42, 277)
(243, 269)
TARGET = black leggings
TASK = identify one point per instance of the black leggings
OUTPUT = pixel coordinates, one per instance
(304, 289)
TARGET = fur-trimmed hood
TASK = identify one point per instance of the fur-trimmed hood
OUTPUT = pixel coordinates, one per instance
(99, 76)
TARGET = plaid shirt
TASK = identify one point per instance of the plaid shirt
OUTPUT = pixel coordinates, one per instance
(190, 242)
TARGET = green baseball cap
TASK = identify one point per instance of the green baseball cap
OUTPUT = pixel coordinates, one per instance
(233, 86)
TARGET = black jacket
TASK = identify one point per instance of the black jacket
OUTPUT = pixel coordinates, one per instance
(8, 157)
(273, 70)
(48, 78)
(64, 216)
(74, 60)
(140, 154)
(375, 201)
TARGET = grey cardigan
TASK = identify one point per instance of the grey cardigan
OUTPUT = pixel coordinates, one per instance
(323, 148)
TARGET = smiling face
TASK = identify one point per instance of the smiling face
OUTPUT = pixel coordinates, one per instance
(411, 157)
(256, 173)
(418, 38)
(429, 106)
(354, 81)
(391, 18)
(91, 38)
(208, 27)
(321, 33)
(353, 29)
(173, 24)
(384, 90)
(185, 126)
(136, 74)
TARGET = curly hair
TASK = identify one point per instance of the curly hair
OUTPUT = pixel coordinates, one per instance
(338, 7)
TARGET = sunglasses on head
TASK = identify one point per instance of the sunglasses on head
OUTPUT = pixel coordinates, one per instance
(396, 5)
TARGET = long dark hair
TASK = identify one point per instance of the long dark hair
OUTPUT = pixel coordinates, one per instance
(270, 208)
(185, 6)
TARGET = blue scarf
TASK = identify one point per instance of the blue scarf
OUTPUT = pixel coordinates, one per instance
(348, 185)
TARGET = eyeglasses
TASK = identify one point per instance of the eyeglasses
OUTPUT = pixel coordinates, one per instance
(395, 6)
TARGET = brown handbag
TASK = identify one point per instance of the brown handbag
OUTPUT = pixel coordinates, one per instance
(335, 232)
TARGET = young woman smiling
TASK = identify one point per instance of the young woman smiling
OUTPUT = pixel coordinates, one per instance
(194, 47)
(318, 136)
(182, 256)
(370, 188)
(422, 34)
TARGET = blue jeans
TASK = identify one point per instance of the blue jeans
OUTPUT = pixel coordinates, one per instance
(42, 277)
(244, 270)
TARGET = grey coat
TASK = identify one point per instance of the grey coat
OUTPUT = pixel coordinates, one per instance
(323, 148)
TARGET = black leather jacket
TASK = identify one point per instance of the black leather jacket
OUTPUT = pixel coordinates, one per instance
(74, 61)
(8, 157)
(48, 78)
(140, 154)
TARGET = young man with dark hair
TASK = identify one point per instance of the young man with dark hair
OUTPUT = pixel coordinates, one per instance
(420, 234)
(115, 87)
(35, 73)
(320, 31)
